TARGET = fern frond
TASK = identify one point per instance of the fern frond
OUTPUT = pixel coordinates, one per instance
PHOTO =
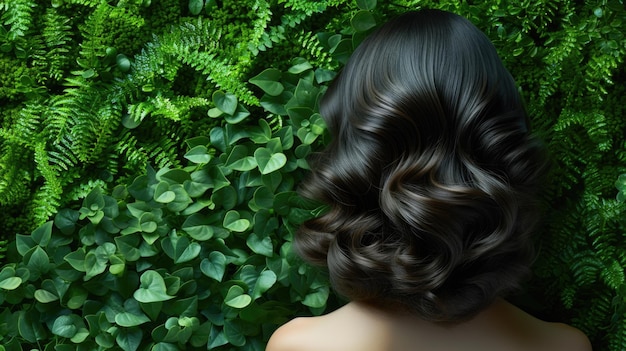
(17, 15)
(88, 3)
(47, 198)
(57, 36)
(62, 153)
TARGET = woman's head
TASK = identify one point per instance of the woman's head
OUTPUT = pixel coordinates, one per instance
(430, 173)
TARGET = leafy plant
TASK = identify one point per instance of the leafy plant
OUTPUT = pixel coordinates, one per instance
(182, 257)
(152, 149)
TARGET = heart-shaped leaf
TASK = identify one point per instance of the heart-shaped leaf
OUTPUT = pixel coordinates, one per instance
(234, 222)
(268, 81)
(225, 102)
(214, 266)
(236, 298)
(152, 288)
(198, 154)
(269, 162)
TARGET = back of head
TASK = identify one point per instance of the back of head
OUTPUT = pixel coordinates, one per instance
(430, 175)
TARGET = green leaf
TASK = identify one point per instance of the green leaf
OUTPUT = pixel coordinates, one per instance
(233, 222)
(127, 319)
(266, 280)
(127, 245)
(163, 194)
(64, 326)
(233, 332)
(42, 234)
(317, 298)
(216, 338)
(173, 176)
(268, 81)
(214, 266)
(66, 220)
(30, 327)
(96, 260)
(198, 155)
(263, 197)
(261, 246)
(10, 283)
(38, 260)
(164, 346)
(300, 65)
(366, 4)
(152, 288)
(239, 160)
(269, 162)
(362, 21)
(196, 6)
(324, 75)
(225, 102)
(179, 248)
(299, 115)
(76, 259)
(24, 243)
(236, 298)
(240, 114)
(198, 227)
(129, 339)
(44, 296)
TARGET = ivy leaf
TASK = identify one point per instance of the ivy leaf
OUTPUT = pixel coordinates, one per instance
(152, 288)
(268, 81)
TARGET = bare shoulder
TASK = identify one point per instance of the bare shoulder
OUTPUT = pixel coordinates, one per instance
(564, 337)
(289, 337)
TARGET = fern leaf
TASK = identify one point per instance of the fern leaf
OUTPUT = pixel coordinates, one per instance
(17, 16)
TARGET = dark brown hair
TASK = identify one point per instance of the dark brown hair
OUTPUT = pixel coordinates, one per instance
(431, 173)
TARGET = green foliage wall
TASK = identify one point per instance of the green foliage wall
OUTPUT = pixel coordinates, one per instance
(150, 150)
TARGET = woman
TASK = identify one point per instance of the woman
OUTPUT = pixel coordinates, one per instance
(430, 180)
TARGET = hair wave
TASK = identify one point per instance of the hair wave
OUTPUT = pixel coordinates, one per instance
(431, 173)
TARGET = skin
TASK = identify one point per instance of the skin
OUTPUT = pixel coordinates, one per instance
(358, 327)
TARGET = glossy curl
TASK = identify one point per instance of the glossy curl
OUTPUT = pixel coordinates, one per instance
(431, 173)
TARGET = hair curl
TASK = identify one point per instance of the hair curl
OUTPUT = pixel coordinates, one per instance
(431, 173)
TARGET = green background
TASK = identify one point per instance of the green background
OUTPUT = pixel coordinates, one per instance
(150, 151)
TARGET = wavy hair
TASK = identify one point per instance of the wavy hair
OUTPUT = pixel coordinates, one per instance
(431, 174)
